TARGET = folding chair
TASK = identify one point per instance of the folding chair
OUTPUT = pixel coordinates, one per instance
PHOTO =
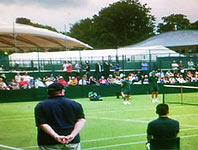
(165, 144)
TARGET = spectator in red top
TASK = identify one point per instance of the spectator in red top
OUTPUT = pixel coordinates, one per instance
(62, 81)
(23, 84)
(103, 81)
(69, 67)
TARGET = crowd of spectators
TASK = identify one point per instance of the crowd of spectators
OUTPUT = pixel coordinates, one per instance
(178, 74)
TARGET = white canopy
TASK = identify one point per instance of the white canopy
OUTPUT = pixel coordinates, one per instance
(24, 38)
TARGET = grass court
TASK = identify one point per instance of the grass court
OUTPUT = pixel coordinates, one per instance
(110, 125)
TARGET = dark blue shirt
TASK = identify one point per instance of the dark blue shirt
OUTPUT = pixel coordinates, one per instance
(163, 128)
(61, 114)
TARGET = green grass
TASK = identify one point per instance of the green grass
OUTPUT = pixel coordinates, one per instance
(110, 125)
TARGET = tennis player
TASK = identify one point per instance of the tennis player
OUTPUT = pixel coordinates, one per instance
(154, 87)
(126, 88)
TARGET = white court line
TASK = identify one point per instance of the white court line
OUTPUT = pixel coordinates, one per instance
(9, 147)
(99, 112)
(131, 109)
(13, 116)
(115, 145)
(117, 137)
(114, 119)
(125, 144)
(111, 138)
(28, 118)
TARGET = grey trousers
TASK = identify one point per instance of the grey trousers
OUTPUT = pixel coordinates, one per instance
(61, 147)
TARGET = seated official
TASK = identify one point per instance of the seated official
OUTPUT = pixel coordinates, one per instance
(93, 96)
(163, 127)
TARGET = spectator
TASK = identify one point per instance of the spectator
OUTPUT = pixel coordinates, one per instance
(189, 76)
(172, 80)
(169, 74)
(47, 81)
(65, 66)
(62, 81)
(3, 85)
(69, 68)
(78, 68)
(23, 84)
(106, 67)
(14, 85)
(118, 80)
(146, 79)
(39, 83)
(31, 83)
(139, 76)
(160, 74)
(83, 80)
(163, 127)
(116, 69)
(52, 78)
(110, 79)
(1, 68)
(87, 69)
(92, 81)
(93, 96)
(144, 67)
(103, 81)
(181, 67)
(17, 77)
(26, 77)
(131, 77)
(174, 66)
(98, 70)
(190, 64)
(180, 79)
(73, 81)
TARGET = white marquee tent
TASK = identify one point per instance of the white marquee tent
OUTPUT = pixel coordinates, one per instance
(138, 53)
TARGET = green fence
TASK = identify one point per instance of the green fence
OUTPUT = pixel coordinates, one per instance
(71, 92)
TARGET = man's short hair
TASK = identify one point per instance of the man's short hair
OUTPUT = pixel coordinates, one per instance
(54, 89)
(162, 109)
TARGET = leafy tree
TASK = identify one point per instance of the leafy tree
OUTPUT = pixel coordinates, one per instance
(173, 22)
(194, 26)
(122, 23)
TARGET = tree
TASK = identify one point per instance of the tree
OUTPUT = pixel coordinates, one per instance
(173, 22)
(194, 26)
(122, 23)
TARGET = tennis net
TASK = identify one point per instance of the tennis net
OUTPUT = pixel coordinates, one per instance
(180, 94)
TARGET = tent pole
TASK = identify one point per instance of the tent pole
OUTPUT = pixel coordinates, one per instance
(14, 35)
(38, 58)
(65, 37)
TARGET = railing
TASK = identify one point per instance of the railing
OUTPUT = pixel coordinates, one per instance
(155, 61)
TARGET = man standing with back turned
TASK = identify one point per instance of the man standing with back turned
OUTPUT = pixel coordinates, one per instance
(59, 121)
(163, 127)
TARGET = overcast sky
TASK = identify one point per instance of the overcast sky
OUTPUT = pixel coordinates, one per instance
(56, 13)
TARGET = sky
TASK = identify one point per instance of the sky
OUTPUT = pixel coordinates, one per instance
(58, 13)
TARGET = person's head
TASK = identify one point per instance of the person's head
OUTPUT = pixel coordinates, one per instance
(55, 89)
(162, 109)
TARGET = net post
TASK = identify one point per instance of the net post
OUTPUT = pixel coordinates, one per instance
(182, 99)
(163, 95)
